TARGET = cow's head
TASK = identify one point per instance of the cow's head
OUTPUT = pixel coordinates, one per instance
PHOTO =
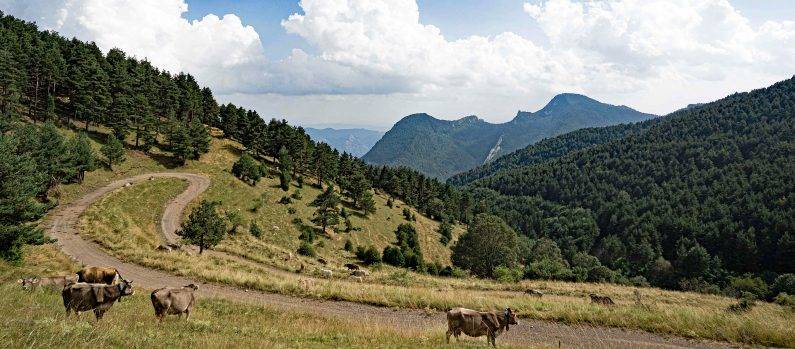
(125, 288)
(191, 286)
(509, 318)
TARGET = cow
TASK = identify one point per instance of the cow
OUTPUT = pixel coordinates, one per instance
(533, 293)
(360, 273)
(476, 323)
(97, 297)
(326, 273)
(352, 266)
(168, 300)
(358, 279)
(99, 275)
(604, 300)
(56, 283)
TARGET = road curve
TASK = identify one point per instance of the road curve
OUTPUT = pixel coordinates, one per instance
(62, 224)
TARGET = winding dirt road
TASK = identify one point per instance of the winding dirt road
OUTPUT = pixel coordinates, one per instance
(62, 224)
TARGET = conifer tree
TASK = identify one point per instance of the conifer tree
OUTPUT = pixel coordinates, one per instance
(81, 156)
(204, 227)
(113, 151)
(327, 212)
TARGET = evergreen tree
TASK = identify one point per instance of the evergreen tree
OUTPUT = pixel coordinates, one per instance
(445, 233)
(113, 151)
(81, 156)
(204, 227)
(367, 203)
(181, 143)
(327, 212)
(284, 179)
(246, 169)
(199, 138)
(255, 230)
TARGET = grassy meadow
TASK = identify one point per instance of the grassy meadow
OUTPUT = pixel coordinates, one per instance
(37, 319)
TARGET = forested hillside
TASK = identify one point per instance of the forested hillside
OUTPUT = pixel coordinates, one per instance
(686, 201)
(441, 148)
(551, 148)
(45, 78)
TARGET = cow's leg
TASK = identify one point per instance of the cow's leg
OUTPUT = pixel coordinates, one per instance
(447, 335)
(187, 314)
(457, 334)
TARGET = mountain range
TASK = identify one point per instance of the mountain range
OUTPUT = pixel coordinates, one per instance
(354, 141)
(442, 148)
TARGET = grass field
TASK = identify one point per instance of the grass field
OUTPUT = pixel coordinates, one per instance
(685, 314)
(37, 319)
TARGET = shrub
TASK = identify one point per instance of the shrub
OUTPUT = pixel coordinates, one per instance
(784, 283)
(413, 259)
(255, 230)
(549, 270)
(320, 243)
(296, 195)
(457, 272)
(291, 210)
(698, 285)
(348, 245)
(394, 256)
(371, 256)
(306, 249)
(601, 273)
(390, 203)
(445, 233)
(407, 213)
(298, 221)
(285, 200)
(751, 285)
(746, 302)
(785, 300)
(507, 275)
(307, 234)
(434, 268)
(360, 252)
(259, 202)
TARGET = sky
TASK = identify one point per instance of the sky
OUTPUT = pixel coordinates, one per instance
(368, 63)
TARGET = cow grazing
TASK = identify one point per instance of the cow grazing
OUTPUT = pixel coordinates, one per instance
(533, 293)
(604, 300)
(97, 297)
(174, 301)
(99, 275)
(351, 266)
(476, 323)
(326, 273)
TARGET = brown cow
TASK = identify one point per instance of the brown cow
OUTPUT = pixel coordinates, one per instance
(55, 283)
(98, 297)
(476, 323)
(99, 275)
(169, 300)
(604, 300)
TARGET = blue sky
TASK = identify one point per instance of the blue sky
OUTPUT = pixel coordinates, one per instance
(368, 63)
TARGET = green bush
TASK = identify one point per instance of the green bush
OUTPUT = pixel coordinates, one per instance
(601, 273)
(507, 275)
(348, 245)
(285, 200)
(371, 256)
(394, 256)
(752, 285)
(306, 249)
(255, 230)
(549, 270)
(785, 300)
(784, 283)
(291, 210)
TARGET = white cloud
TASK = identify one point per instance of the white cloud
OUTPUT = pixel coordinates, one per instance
(654, 55)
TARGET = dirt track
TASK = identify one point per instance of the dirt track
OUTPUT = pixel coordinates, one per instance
(63, 222)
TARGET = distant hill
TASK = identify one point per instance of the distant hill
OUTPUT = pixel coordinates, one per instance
(714, 180)
(354, 141)
(442, 148)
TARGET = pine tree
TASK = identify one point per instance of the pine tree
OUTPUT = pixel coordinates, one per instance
(20, 182)
(81, 156)
(284, 179)
(204, 227)
(367, 203)
(199, 137)
(181, 145)
(327, 212)
(445, 232)
(113, 151)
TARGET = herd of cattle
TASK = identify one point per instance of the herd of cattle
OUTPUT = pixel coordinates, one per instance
(97, 288)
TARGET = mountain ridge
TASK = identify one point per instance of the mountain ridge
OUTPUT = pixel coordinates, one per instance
(441, 148)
